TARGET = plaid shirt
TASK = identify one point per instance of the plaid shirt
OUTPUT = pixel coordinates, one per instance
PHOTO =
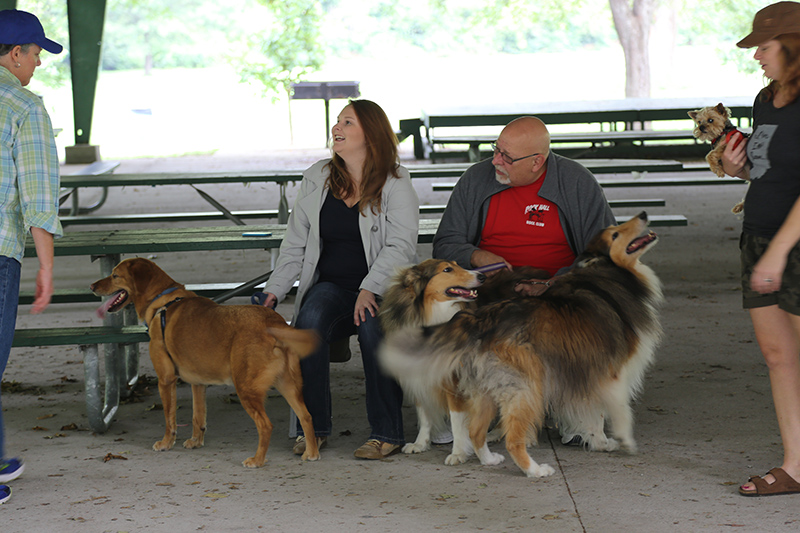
(29, 171)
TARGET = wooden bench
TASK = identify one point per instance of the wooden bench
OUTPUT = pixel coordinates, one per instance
(100, 411)
(622, 143)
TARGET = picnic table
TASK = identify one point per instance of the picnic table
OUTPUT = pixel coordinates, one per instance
(609, 116)
(282, 178)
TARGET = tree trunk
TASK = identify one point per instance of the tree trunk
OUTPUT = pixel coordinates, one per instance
(632, 22)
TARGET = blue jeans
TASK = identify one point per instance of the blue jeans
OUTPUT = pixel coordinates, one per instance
(9, 300)
(328, 309)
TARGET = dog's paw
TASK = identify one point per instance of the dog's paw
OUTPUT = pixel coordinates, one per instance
(163, 445)
(630, 447)
(456, 459)
(251, 462)
(416, 447)
(603, 444)
(192, 443)
(492, 459)
(308, 457)
(541, 470)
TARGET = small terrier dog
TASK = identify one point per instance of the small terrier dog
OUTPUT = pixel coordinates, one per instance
(713, 124)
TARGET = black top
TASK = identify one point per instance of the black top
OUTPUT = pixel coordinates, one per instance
(342, 260)
(774, 151)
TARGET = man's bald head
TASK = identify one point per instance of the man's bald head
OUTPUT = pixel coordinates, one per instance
(529, 133)
(526, 142)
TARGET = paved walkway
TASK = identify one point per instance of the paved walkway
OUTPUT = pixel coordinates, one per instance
(704, 420)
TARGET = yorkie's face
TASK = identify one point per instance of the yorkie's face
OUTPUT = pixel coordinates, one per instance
(709, 122)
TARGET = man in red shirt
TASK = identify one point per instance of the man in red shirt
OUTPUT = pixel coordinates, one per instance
(525, 206)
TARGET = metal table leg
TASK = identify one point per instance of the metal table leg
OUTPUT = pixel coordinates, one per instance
(100, 411)
(121, 366)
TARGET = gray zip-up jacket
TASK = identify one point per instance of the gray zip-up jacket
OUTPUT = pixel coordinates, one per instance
(582, 207)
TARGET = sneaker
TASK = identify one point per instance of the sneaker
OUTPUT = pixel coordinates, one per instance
(5, 494)
(11, 469)
(572, 440)
(443, 437)
(299, 447)
(375, 449)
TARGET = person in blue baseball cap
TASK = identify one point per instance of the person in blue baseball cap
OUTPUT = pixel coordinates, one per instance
(29, 186)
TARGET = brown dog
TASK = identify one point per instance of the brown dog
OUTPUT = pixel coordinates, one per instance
(204, 343)
(713, 124)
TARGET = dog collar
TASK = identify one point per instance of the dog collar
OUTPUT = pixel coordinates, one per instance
(727, 133)
(164, 293)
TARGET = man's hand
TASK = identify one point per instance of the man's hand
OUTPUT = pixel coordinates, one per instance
(481, 258)
(533, 287)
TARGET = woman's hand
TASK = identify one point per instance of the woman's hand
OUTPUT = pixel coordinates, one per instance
(365, 303)
(270, 301)
(734, 158)
(768, 271)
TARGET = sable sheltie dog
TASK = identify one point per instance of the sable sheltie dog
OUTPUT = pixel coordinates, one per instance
(579, 350)
(429, 294)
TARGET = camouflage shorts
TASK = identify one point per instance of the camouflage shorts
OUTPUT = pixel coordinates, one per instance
(788, 296)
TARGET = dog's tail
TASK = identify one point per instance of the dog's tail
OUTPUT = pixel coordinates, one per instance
(302, 342)
(420, 368)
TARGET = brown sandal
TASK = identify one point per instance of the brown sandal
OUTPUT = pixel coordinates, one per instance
(783, 484)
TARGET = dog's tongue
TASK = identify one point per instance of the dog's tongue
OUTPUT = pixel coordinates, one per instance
(103, 309)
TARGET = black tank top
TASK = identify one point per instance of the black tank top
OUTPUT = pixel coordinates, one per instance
(342, 259)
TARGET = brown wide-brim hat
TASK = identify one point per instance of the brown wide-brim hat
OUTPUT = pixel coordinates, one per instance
(773, 20)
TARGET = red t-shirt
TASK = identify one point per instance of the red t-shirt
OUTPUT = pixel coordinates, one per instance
(524, 229)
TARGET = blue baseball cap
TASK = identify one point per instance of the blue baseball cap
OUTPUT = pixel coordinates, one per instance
(21, 27)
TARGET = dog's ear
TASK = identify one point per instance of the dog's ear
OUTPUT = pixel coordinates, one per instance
(409, 276)
(722, 110)
(692, 114)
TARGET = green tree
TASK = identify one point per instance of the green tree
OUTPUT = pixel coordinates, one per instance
(53, 15)
(287, 49)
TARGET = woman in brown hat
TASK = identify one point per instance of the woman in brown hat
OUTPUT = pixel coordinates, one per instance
(770, 253)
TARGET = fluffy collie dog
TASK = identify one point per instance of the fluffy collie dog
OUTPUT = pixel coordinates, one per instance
(580, 350)
(429, 294)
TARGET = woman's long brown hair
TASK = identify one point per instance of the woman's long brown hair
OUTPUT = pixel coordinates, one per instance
(380, 163)
(790, 54)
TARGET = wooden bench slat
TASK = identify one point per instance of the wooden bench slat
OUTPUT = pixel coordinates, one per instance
(579, 137)
(79, 336)
(646, 182)
(265, 213)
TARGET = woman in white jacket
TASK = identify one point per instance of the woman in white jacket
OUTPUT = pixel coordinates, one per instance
(355, 221)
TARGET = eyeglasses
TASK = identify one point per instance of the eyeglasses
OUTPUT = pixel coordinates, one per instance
(507, 158)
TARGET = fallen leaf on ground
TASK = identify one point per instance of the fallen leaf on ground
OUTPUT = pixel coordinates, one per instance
(109, 456)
